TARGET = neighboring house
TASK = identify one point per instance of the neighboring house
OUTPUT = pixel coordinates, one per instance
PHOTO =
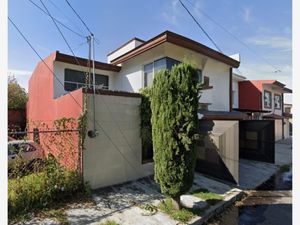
(288, 122)
(265, 97)
(115, 155)
(236, 78)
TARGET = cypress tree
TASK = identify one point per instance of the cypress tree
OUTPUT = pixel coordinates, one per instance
(174, 105)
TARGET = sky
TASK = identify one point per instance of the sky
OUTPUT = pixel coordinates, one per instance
(265, 27)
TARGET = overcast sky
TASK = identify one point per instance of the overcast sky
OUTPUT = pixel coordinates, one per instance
(264, 26)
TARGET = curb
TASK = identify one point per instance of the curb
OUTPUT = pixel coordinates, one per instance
(219, 207)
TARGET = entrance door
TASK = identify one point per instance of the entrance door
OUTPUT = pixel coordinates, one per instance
(257, 140)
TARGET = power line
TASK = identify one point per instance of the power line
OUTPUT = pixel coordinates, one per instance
(234, 36)
(207, 35)
(62, 12)
(30, 45)
(100, 95)
(68, 28)
(79, 17)
(81, 66)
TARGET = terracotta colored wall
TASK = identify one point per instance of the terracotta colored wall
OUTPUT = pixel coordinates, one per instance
(42, 108)
(250, 95)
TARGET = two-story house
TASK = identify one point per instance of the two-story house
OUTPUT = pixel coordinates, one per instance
(267, 97)
(115, 154)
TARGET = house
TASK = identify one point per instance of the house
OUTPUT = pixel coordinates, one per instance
(236, 78)
(288, 122)
(114, 153)
(266, 98)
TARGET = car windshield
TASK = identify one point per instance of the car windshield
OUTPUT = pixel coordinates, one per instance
(17, 148)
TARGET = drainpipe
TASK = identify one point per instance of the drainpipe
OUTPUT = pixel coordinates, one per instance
(93, 133)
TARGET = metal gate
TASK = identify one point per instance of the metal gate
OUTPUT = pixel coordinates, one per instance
(257, 140)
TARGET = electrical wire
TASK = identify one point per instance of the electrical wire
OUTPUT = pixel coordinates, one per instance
(203, 30)
(68, 28)
(234, 36)
(69, 93)
(79, 17)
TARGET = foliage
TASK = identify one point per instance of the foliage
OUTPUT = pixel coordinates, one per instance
(38, 190)
(182, 215)
(284, 168)
(210, 197)
(17, 96)
(174, 104)
(109, 222)
(145, 112)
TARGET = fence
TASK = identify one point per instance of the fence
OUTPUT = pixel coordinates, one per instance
(61, 139)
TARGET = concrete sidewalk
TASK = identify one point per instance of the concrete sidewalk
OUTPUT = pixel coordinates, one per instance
(122, 203)
(254, 173)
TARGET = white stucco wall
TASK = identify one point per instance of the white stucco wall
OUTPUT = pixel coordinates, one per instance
(131, 76)
(103, 164)
(126, 48)
(235, 93)
(286, 128)
(278, 130)
(59, 70)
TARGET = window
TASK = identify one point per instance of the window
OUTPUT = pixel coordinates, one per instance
(277, 101)
(76, 79)
(267, 99)
(157, 65)
(199, 76)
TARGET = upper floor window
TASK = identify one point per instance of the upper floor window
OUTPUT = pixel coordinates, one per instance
(277, 101)
(157, 65)
(267, 99)
(76, 79)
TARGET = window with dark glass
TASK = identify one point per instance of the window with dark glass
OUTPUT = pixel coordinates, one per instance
(277, 101)
(76, 79)
(157, 65)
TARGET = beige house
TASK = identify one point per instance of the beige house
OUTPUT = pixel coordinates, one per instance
(115, 154)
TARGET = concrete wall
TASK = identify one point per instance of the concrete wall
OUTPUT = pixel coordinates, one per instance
(278, 130)
(235, 93)
(286, 128)
(59, 70)
(223, 139)
(131, 76)
(103, 164)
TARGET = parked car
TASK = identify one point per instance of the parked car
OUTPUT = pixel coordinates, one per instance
(29, 152)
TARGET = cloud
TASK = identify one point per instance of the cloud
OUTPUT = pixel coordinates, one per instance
(174, 12)
(247, 15)
(171, 14)
(15, 72)
(22, 76)
(275, 42)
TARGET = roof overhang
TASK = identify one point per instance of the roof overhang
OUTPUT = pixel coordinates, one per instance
(252, 110)
(179, 40)
(60, 57)
(221, 115)
(273, 116)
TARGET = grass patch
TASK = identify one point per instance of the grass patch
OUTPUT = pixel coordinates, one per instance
(285, 168)
(109, 222)
(182, 215)
(210, 197)
(44, 190)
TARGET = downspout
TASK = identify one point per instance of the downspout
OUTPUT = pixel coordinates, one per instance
(93, 133)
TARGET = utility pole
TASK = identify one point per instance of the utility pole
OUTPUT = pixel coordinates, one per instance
(93, 133)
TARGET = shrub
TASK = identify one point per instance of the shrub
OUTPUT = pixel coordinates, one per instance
(174, 105)
(146, 128)
(38, 190)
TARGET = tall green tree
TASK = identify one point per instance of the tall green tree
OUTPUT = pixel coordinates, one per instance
(174, 105)
(17, 96)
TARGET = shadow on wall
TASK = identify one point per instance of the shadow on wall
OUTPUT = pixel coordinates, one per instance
(209, 158)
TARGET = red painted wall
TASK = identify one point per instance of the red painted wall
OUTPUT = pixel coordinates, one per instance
(250, 95)
(42, 108)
